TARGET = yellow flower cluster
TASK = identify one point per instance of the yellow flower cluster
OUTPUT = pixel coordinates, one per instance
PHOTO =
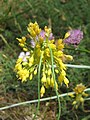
(28, 61)
(33, 29)
(79, 95)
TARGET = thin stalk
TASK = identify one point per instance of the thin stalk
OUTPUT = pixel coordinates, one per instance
(78, 66)
(39, 71)
(81, 50)
(41, 100)
(5, 41)
(52, 63)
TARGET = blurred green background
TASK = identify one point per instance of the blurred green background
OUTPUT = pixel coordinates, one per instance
(61, 16)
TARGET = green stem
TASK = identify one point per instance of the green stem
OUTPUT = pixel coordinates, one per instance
(41, 100)
(59, 105)
(84, 50)
(39, 71)
(5, 41)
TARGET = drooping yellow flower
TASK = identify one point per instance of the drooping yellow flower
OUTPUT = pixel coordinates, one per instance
(49, 72)
(68, 57)
(48, 80)
(62, 77)
(43, 79)
(21, 44)
(67, 35)
(56, 70)
(59, 44)
(35, 71)
(31, 60)
(42, 91)
(31, 76)
(66, 81)
(52, 82)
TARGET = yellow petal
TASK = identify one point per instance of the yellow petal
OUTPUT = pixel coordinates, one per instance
(35, 71)
(30, 77)
(67, 35)
(43, 80)
(25, 49)
(49, 72)
(66, 81)
(42, 91)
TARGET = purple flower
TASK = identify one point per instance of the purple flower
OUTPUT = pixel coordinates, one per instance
(51, 37)
(74, 38)
(42, 34)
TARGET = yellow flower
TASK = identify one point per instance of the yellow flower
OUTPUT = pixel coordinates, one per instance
(49, 71)
(79, 94)
(47, 30)
(81, 99)
(43, 79)
(62, 65)
(74, 102)
(19, 60)
(48, 80)
(62, 78)
(71, 95)
(25, 49)
(31, 76)
(35, 71)
(59, 53)
(59, 44)
(47, 52)
(67, 35)
(52, 46)
(79, 88)
(56, 70)
(21, 44)
(23, 74)
(84, 94)
(28, 62)
(52, 82)
(69, 57)
(22, 40)
(31, 60)
(33, 29)
(66, 81)
(18, 67)
(42, 91)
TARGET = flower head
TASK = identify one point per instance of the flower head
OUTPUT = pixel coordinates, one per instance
(73, 37)
(79, 95)
(27, 63)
